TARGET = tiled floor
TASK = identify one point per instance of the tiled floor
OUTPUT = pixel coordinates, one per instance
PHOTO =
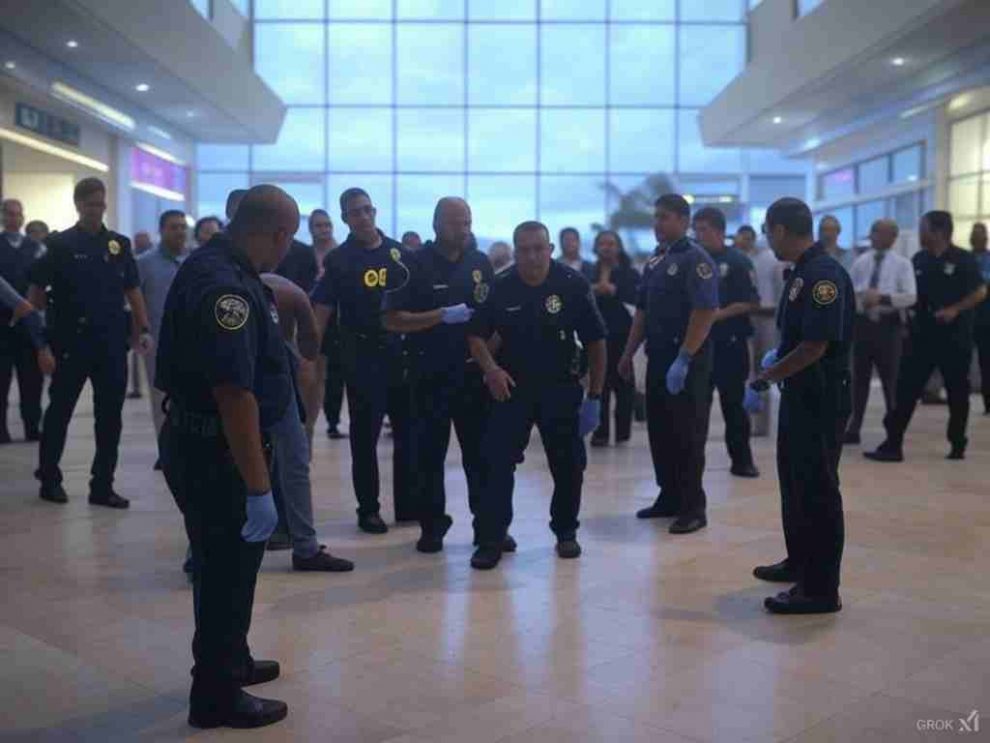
(647, 637)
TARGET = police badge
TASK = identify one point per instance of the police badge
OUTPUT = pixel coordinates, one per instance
(480, 292)
(114, 247)
(554, 304)
(231, 312)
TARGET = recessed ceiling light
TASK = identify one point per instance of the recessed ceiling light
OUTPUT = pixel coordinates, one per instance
(72, 44)
(10, 65)
(142, 87)
(898, 61)
(778, 120)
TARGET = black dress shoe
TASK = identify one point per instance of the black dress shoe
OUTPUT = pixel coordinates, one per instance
(851, 438)
(486, 557)
(262, 671)
(780, 572)
(108, 498)
(279, 541)
(745, 470)
(334, 434)
(322, 562)
(247, 712)
(134, 395)
(53, 493)
(659, 510)
(688, 524)
(157, 466)
(431, 541)
(568, 549)
(372, 524)
(598, 443)
(622, 439)
(957, 453)
(509, 544)
(885, 453)
(798, 602)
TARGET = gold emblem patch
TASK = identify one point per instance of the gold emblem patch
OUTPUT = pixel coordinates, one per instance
(704, 271)
(796, 288)
(396, 255)
(231, 312)
(480, 292)
(114, 247)
(554, 304)
(375, 277)
(824, 293)
(476, 276)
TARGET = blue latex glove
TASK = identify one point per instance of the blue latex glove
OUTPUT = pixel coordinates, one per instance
(591, 411)
(752, 401)
(769, 359)
(261, 518)
(677, 373)
(456, 314)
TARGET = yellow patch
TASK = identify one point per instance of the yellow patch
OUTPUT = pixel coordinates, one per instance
(114, 247)
(396, 255)
(704, 271)
(375, 277)
(231, 312)
(824, 292)
(476, 276)
(480, 293)
(554, 304)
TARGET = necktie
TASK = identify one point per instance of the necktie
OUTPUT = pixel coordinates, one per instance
(875, 276)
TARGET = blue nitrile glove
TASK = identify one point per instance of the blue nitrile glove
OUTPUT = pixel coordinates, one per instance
(591, 410)
(456, 314)
(752, 401)
(261, 518)
(677, 373)
(769, 359)
(34, 325)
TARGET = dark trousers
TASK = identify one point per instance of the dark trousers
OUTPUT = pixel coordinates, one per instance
(677, 426)
(439, 400)
(105, 365)
(17, 353)
(554, 409)
(875, 345)
(729, 374)
(981, 337)
(376, 386)
(810, 427)
(211, 495)
(333, 385)
(624, 391)
(926, 354)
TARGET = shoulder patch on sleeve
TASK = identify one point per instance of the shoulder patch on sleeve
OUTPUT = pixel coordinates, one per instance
(231, 312)
(704, 270)
(824, 292)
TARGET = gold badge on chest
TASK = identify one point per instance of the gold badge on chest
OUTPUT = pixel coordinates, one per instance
(113, 247)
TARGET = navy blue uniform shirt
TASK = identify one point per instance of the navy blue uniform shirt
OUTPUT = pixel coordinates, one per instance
(15, 264)
(88, 275)
(736, 283)
(626, 281)
(674, 284)
(431, 282)
(943, 281)
(220, 327)
(299, 266)
(538, 324)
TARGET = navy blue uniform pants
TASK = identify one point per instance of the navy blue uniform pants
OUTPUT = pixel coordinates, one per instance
(17, 353)
(730, 371)
(677, 426)
(554, 410)
(105, 366)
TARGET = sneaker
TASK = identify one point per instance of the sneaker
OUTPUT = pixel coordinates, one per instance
(322, 562)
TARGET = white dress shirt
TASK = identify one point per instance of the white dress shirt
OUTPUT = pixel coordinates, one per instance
(769, 277)
(896, 280)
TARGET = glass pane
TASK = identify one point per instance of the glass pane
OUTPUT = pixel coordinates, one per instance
(759, 160)
(764, 191)
(572, 141)
(908, 164)
(212, 190)
(710, 57)
(906, 211)
(643, 10)
(502, 140)
(873, 175)
(430, 63)
(694, 157)
(432, 9)
(377, 9)
(642, 65)
(416, 198)
(430, 140)
(964, 196)
(838, 184)
(499, 203)
(289, 57)
(630, 208)
(503, 10)
(641, 141)
(866, 215)
(202, 7)
(242, 6)
(301, 143)
(986, 142)
(806, 6)
(502, 65)
(360, 139)
(222, 157)
(360, 63)
(379, 187)
(572, 10)
(308, 195)
(965, 146)
(573, 59)
(985, 198)
(572, 201)
(712, 10)
(294, 9)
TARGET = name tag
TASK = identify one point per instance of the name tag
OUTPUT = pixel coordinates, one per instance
(513, 309)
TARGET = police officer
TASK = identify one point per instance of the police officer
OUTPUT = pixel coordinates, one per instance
(677, 304)
(815, 319)
(17, 253)
(90, 271)
(431, 302)
(354, 280)
(731, 332)
(950, 285)
(536, 308)
(223, 365)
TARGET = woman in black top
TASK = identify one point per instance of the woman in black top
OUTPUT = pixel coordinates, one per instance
(615, 283)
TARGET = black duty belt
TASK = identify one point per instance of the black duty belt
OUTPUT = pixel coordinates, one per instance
(205, 425)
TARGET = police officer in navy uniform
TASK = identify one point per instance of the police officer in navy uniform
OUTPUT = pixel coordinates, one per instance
(678, 302)
(353, 283)
(224, 368)
(731, 332)
(815, 318)
(89, 271)
(432, 302)
(950, 286)
(537, 307)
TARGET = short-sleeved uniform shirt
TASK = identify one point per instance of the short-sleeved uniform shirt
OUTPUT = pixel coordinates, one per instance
(539, 325)
(943, 281)
(430, 282)
(299, 266)
(674, 284)
(15, 263)
(736, 283)
(354, 282)
(87, 274)
(818, 304)
(220, 327)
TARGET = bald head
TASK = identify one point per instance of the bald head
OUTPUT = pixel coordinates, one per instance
(883, 234)
(264, 224)
(452, 222)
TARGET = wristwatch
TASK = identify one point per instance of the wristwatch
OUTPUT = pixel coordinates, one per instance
(759, 385)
